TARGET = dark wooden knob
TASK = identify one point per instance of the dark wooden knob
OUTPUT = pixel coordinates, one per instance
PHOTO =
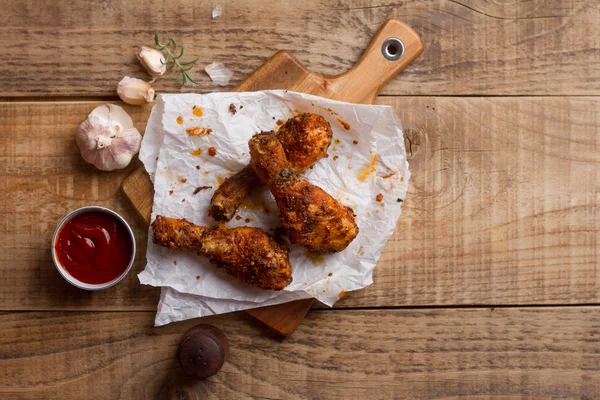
(202, 351)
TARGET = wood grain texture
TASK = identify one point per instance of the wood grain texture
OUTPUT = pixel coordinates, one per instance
(43, 178)
(486, 48)
(380, 354)
(502, 206)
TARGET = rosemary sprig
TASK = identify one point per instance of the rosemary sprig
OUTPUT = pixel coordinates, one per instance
(172, 60)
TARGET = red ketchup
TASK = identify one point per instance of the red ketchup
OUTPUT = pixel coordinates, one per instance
(94, 247)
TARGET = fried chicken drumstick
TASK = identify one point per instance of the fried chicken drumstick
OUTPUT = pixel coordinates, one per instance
(248, 254)
(310, 216)
(305, 139)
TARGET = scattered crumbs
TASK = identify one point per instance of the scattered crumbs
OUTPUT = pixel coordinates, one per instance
(348, 157)
(197, 111)
(197, 167)
(336, 141)
(273, 117)
(330, 274)
(197, 152)
(247, 220)
(183, 201)
(344, 124)
(156, 157)
(170, 192)
(205, 172)
(212, 151)
(183, 180)
(334, 148)
(312, 166)
(198, 189)
(174, 262)
(355, 142)
(335, 158)
(341, 294)
(376, 211)
(179, 120)
(232, 109)
(326, 155)
(379, 197)
(279, 122)
(401, 179)
(238, 217)
(241, 106)
(399, 200)
(197, 277)
(198, 131)
(388, 175)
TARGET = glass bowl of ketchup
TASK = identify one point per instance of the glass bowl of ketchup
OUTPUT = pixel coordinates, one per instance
(93, 248)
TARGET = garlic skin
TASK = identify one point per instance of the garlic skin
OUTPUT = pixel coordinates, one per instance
(135, 91)
(107, 138)
(153, 60)
(218, 73)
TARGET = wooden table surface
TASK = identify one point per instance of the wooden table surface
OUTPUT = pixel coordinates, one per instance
(490, 287)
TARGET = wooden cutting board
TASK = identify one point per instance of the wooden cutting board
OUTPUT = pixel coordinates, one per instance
(394, 46)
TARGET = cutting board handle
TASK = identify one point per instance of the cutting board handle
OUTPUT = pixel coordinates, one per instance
(394, 46)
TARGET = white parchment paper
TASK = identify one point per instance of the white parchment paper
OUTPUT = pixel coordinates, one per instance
(366, 169)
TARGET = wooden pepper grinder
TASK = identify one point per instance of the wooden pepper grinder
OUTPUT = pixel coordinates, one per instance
(201, 354)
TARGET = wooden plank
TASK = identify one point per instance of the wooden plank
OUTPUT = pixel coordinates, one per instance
(471, 47)
(43, 178)
(534, 353)
(502, 206)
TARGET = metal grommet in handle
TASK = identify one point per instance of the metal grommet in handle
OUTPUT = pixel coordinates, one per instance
(392, 48)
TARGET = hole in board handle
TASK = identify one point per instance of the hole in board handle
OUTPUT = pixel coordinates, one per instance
(392, 48)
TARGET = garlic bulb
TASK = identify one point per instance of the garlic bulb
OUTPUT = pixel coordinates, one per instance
(218, 73)
(135, 91)
(107, 138)
(153, 60)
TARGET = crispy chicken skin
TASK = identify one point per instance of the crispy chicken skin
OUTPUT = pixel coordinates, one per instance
(248, 254)
(305, 139)
(309, 215)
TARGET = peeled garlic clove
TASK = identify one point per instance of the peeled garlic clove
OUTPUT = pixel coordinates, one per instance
(103, 144)
(153, 60)
(218, 73)
(135, 91)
